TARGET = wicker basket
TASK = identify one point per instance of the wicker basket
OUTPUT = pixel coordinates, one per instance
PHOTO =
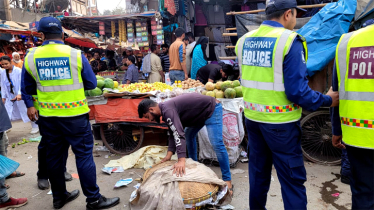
(191, 192)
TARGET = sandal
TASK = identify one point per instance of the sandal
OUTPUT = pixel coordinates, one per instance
(18, 174)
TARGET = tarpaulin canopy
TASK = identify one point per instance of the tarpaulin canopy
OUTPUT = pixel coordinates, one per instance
(324, 30)
(84, 42)
(78, 39)
(364, 12)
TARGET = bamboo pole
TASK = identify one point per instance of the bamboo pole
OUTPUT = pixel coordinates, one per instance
(262, 10)
(230, 29)
(230, 47)
(230, 34)
(228, 58)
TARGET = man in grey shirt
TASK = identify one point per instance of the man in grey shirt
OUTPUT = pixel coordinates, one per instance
(132, 73)
(189, 50)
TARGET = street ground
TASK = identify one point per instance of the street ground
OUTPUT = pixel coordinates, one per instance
(323, 181)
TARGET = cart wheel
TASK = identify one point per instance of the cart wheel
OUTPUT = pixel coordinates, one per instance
(316, 141)
(122, 139)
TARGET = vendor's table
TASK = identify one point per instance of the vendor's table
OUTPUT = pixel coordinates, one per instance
(122, 131)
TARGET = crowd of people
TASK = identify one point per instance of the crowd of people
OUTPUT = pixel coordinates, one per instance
(185, 58)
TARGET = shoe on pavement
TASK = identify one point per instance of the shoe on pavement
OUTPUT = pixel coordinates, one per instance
(68, 177)
(34, 130)
(9, 130)
(103, 203)
(345, 179)
(13, 203)
(58, 204)
(43, 184)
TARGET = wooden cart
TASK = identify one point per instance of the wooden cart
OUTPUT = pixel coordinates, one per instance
(121, 130)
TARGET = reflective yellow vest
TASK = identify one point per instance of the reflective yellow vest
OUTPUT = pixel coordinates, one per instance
(56, 69)
(35, 101)
(355, 68)
(260, 54)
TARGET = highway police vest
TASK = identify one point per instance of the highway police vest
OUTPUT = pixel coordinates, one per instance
(355, 68)
(260, 54)
(56, 69)
(35, 101)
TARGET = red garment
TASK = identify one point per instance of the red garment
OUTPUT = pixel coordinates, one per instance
(200, 17)
(170, 5)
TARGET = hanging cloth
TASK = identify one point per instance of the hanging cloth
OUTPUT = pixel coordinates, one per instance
(170, 5)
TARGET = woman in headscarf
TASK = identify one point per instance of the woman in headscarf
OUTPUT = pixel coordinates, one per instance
(16, 61)
(11, 93)
(198, 55)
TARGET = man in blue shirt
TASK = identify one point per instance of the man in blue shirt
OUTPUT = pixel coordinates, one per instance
(60, 132)
(132, 73)
(279, 143)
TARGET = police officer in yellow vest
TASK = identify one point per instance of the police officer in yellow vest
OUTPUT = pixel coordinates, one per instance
(32, 105)
(272, 62)
(58, 75)
(353, 121)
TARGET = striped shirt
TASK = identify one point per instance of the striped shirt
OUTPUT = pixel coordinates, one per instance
(165, 62)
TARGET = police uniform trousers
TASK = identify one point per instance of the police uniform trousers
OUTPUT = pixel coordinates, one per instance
(60, 132)
(362, 180)
(42, 158)
(277, 144)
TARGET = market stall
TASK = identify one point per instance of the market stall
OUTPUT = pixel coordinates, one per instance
(114, 108)
(138, 31)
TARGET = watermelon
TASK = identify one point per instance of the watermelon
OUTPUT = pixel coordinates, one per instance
(100, 84)
(226, 85)
(99, 78)
(220, 94)
(238, 91)
(95, 92)
(211, 93)
(230, 93)
(86, 93)
(235, 83)
(108, 83)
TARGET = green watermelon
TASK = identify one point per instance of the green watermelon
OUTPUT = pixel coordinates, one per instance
(236, 83)
(95, 92)
(108, 83)
(100, 84)
(226, 85)
(99, 77)
(238, 91)
(230, 93)
(86, 93)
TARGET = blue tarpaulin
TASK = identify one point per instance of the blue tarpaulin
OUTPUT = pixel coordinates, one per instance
(324, 30)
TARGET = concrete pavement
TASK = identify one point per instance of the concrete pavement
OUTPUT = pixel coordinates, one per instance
(322, 181)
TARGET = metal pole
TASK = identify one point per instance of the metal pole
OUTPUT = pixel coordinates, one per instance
(71, 9)
(90, 9)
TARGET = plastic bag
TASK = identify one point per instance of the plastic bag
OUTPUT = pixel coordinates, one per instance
(7, 166)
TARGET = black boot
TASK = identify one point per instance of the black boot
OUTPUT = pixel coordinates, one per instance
(103, 203)
(43, 184)
(58, 204)
(68, 177)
